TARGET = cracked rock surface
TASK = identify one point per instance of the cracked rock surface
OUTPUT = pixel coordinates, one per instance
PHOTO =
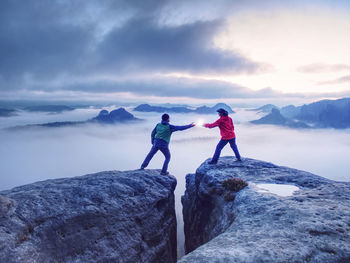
(110, 216)
(311, 225)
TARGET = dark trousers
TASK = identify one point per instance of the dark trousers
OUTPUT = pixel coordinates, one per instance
(153, 151)
(221, 145)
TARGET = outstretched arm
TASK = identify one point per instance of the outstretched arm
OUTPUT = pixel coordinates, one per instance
(180, 128)
(212, 125)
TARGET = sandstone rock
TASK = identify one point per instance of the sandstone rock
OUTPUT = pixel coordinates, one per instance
(312, 225)
(104, 217)
(6, 206)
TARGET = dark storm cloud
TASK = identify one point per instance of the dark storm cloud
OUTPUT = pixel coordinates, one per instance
(35, 39)
(142, 44)
(43, 40)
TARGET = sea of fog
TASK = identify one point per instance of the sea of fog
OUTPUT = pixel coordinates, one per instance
(44, 153)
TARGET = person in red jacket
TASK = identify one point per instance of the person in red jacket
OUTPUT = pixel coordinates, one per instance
(226, 127)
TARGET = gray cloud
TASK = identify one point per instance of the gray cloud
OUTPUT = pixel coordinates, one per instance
(43, 40)
(46, 41)
(323, 68)
(344, 79)
(181, 87)
(175, 87)
(37, 40)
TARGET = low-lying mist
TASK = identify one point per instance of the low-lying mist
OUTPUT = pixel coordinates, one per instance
(45, 153)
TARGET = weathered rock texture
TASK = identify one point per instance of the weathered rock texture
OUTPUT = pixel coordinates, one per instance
(312, 225)
(104, 217)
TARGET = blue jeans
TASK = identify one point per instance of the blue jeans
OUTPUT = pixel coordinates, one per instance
(221, 145)
(153, 151)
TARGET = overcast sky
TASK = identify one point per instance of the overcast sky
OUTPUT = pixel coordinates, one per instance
(174, 51)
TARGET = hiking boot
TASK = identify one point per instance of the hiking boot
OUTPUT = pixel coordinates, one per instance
(212, 162)
(238, 160)
(142, 168)
(164, 173)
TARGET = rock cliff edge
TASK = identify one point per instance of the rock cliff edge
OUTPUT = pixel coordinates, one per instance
(104, 217)
(258, 225)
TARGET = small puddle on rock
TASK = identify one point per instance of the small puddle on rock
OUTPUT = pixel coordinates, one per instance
(277, 189)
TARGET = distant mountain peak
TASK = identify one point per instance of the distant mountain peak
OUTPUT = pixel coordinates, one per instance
(276, 118)
(117, 115)
(183, 109)
(266, 108)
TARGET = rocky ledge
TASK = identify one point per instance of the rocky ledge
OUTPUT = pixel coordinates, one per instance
(257, 225)
(104, 217)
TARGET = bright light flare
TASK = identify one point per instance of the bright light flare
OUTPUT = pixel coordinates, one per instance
(199, 122)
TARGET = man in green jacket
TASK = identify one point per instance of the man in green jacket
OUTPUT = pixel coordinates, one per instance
(160, 141)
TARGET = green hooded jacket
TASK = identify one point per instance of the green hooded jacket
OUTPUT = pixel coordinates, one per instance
(163, 131)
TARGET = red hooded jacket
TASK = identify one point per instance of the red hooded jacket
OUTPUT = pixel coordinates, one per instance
(226, 127)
